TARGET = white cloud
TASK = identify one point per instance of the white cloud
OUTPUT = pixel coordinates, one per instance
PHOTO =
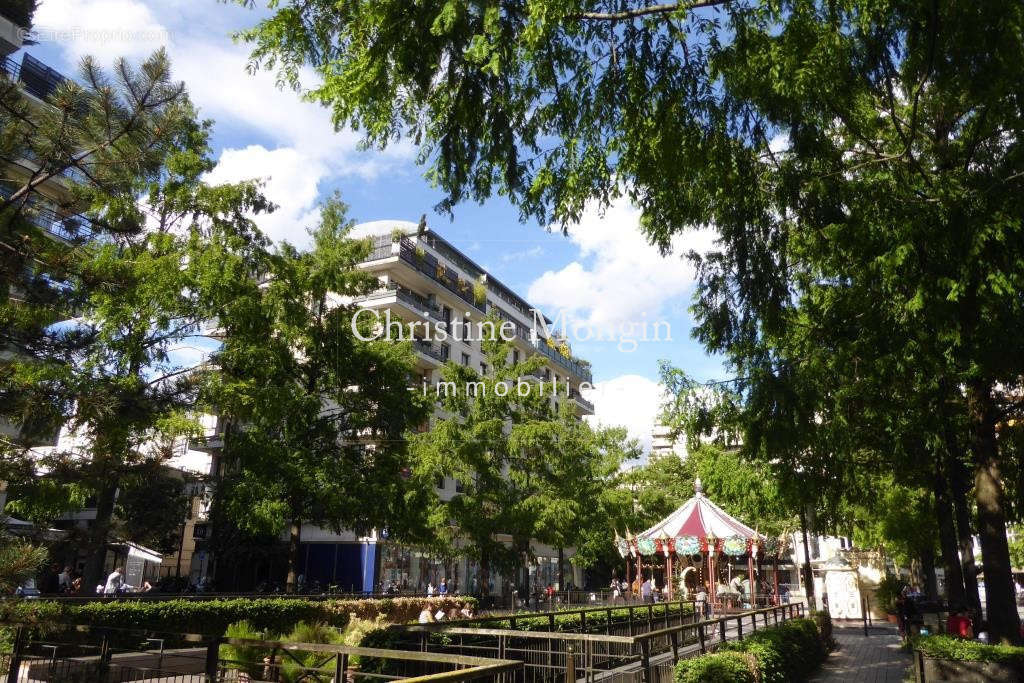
(383, 227)
(106, 29)
(292, 182)
(630, 401)
(302, 151)
(618, 277)
(524, 255)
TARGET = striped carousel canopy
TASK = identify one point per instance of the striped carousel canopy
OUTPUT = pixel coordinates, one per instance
(698, 517)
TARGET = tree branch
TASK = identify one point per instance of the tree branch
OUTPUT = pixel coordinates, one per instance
(666, 8)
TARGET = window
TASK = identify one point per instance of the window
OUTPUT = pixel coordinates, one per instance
(440, 482)
(465, 359)
(446, 352)
(458, 486)
(483, 368)
(515, 356)
(446, 314)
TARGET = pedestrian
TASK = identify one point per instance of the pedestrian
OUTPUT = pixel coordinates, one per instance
(430, 590)
(64, 581)
(646, 590)
(443, 588)
(615, 591)
(702, 597)
(426, 616)
(114, 581)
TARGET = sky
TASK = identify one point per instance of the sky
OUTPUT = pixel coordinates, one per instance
(603, 274)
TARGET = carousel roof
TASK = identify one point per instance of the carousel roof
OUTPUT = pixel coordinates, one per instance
(699, 517)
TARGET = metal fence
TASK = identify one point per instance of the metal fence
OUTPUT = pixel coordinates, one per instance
(73, 654)
(643, 649)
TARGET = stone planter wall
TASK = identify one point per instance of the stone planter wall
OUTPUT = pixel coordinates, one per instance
(929, 669)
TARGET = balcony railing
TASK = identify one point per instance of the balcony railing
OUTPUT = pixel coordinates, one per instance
(579, 369)
(428, 349)
(578, 397)
(37, 78)
(69, 228)
(427, 264)
(407, 296)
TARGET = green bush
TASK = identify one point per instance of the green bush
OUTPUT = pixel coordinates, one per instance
(720, 667)
(948, 647)
(573, 622)
(889, 588)
(277, 615)
(243, 658)
(791, 651)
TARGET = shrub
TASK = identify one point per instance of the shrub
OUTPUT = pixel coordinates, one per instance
(245, 659)
(306, 668)
(277, 615)
(889, 588)
(948, 647)
(720, 667)
(788, 652)
(823, 620)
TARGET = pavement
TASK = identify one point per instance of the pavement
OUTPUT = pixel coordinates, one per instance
(876, 658)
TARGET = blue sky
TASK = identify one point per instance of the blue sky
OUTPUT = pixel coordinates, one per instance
(603, 273)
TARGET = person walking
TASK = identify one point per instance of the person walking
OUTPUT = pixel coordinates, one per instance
(646, 590)
(114, 582)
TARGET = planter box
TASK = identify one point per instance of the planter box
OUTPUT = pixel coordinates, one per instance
(928, 669)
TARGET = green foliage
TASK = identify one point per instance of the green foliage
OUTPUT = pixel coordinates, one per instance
(573, 622)
(271, 615)
(791, 651)
(19, 560)
(296, 439)
(310, 665)
(719, 667)
(865, 191)
(889, 588)
(244, 658)
(958, 649)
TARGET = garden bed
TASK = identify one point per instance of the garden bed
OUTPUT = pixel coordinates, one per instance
(945, 658)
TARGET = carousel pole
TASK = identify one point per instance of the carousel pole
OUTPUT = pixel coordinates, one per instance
(775, 578)
(668, 575)
(751, 578)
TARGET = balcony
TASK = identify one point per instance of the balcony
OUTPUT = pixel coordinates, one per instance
(35, 77)
(67, 228)
(579, 369)
(412, 300)
(428, 350)
(575, 395)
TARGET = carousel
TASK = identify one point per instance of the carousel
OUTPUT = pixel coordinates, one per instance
(701, 545)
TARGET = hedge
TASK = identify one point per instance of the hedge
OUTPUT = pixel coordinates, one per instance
(958, 649)
(791, 651)
(213, 616)
(719, 667)
(570, 621)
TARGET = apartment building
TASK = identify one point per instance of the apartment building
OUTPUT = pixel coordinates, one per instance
(425, 279)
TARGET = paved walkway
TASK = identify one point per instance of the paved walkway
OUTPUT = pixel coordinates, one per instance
(874, 659)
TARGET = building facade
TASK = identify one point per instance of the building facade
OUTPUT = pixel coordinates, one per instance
(425, 279)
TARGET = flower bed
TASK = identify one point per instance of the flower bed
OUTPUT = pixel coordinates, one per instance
(791, 651)
(945, 658)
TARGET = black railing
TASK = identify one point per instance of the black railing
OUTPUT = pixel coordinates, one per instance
(70, 228)
(37, 78)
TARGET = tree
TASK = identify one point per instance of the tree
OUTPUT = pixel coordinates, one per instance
(316, 416)
(142, 290)
(19, 561)
(861, 163)
(104, 142)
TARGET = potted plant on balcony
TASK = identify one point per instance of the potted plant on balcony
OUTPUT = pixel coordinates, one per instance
(440, 271)
(479, 293)
(420, 253)
(397, 234)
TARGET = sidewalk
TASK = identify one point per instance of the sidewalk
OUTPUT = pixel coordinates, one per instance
(874, 659)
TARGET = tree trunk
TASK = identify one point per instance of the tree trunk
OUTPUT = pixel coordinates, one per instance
(959, 485)
(294, 537)
(94, 570)
(1000, 598)
(955, 594)
(561, 569)
(806, 568)
(931, 582)
(485, 579)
